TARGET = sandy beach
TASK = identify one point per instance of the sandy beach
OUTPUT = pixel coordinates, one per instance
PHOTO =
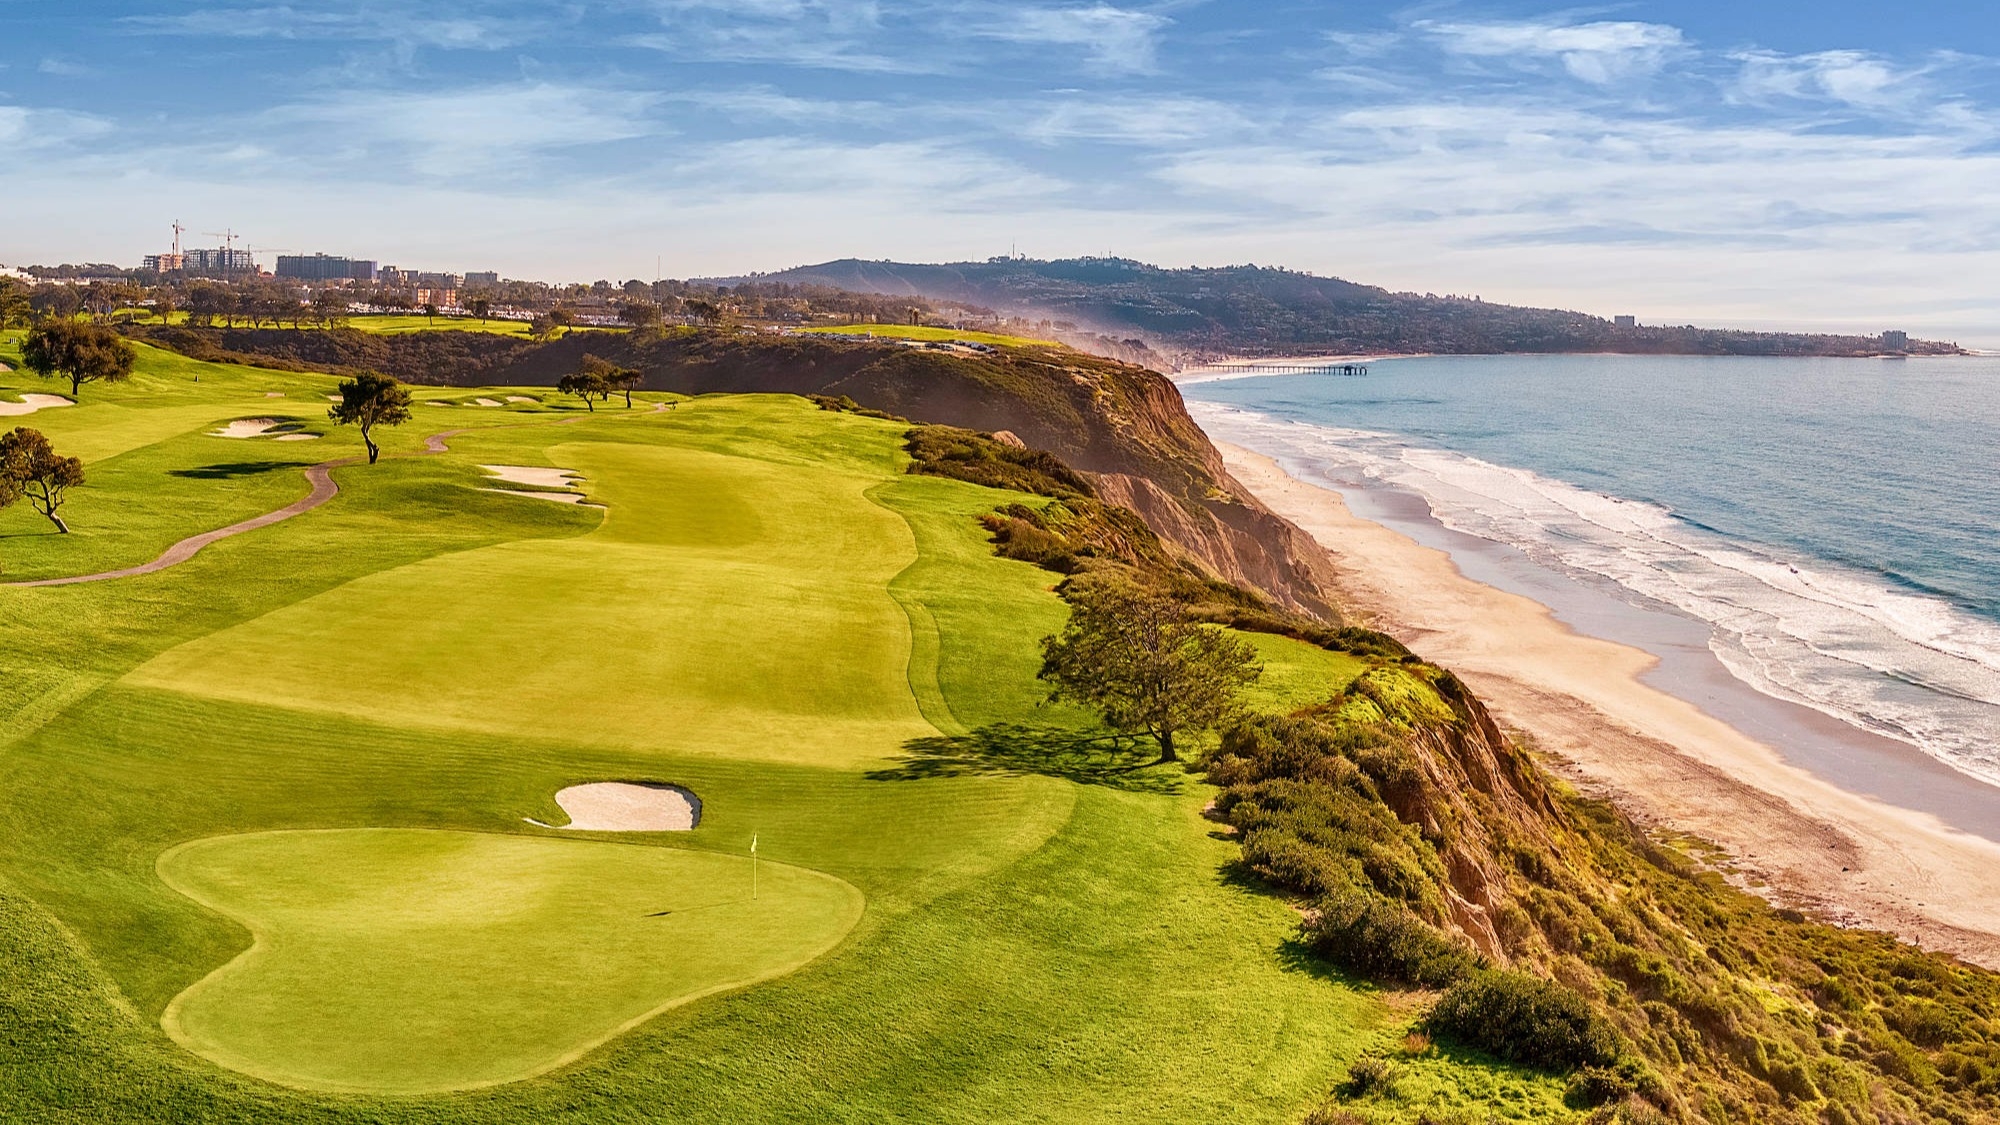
(1793, 836)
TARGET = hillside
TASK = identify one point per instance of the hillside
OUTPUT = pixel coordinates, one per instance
(1206, 313)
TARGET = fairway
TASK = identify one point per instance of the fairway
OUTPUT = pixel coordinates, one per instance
(408, 961)
(747, 601)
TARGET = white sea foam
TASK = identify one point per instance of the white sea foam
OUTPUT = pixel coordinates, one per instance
(1849, 644)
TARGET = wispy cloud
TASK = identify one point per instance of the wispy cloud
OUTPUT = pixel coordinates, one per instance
(408, 25)
(1599, 53)
(1121, 40)
(485, 130)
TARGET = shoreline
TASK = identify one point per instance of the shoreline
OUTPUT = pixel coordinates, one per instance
(1596, 707)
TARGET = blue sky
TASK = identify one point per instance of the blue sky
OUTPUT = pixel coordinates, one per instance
(1819, 164)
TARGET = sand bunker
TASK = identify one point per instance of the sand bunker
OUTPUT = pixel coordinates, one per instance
(629, 806)
(521, 398)
(297, 437)
(558, 497)
(32, 402)
(281, 394)
(429, 403)
(246, 428)
(486, 402)
(530, 475)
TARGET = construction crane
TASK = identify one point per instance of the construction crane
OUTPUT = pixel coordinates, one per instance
(178, 228)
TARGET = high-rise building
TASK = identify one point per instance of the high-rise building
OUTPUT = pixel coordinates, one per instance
(1893, 341)
(1625, 321)
(163, 263)
(325, 267)
(487, 277)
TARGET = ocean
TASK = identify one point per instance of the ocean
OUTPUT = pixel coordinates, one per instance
(1831, 526)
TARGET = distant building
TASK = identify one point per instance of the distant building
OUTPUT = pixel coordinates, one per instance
(442, 298)
(325, 267)
(218, 261)
(164, 263)
(487, 277)
(1893, 341)
(1625, 321)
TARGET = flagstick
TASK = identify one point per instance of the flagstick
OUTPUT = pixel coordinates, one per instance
(753, 866)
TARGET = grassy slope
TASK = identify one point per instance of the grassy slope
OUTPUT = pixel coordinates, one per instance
(1033, 949)
(922, 332)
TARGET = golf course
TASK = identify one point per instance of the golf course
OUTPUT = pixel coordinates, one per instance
(278, 830)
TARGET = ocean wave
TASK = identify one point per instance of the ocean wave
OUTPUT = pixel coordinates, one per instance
(1851, 644)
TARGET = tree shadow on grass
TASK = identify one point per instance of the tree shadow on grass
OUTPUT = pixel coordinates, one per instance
(1013, 748)
(233, 469)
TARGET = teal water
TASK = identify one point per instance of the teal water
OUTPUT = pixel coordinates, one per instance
(1834, 525)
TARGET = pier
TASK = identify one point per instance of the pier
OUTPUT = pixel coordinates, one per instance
(1283, 367)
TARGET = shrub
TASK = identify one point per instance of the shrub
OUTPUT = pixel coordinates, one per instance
(1370, 1076)
(1525, 1020)
(1380, 940)
(1594, 1086)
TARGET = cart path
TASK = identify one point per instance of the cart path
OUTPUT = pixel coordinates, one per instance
(323, 489)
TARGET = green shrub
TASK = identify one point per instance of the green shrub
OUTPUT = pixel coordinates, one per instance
(1378, 939)
(1370, 1076)
(1524, 1019)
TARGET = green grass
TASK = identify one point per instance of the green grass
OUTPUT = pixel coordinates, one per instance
(413, 961)
(332, 730)
(923, 332)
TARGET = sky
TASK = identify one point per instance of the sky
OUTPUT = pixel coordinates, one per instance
(1827, 164)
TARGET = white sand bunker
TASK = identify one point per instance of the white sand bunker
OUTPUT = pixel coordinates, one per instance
(32, 402)
(530, 475)
(486, 402)
(628, 806)
(521, 398)
(246, 428)
(297, 437)
(429, 402)
(281, 394)
(558, 497)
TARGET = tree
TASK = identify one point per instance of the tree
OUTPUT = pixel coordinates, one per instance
(640, 314)
(591, 380)
(479, 307)
(331, 306)
(14, 306)
(368, 400)
(205, 302)
(613, 377)
(78, 351)
(31, 467)
(431, 311)
(1142, 662)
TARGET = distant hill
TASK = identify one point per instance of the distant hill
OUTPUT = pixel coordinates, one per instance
(1196, 314)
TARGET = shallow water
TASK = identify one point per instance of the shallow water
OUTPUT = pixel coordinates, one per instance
(1826, 527)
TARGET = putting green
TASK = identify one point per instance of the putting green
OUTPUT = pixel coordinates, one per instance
(412, 961)
(747, 603)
